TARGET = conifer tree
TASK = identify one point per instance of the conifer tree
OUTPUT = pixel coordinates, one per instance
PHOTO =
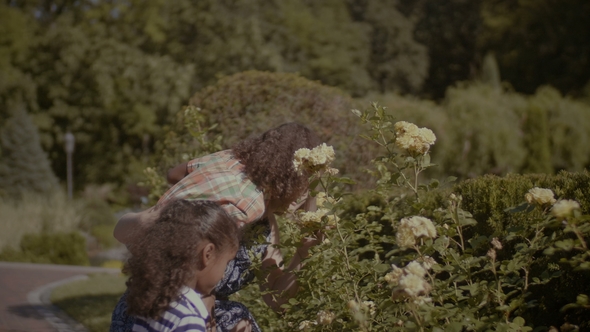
(24, 166)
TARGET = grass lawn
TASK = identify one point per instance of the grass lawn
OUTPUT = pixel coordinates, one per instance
(91, 301)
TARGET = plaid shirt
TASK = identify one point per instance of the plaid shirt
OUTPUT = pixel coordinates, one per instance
(219, 177)
(187, 313)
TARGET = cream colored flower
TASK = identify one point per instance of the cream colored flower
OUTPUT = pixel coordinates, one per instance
(353, 305)
(428, 262)
(564, 208)
(370, 307)
(412, 228)
(325, 317)
(413, 139)
(492, 254)
(539, 196)
(416, 269)
(332, 171)
(322, 198)
(392, 277)
(310, 217)
(414, 285)
(314, 160)
(496, 243)
(405, 238)
(306, 325)
(403, 127)
(299, 158)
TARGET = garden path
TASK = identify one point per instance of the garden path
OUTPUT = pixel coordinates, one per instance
(24, 296)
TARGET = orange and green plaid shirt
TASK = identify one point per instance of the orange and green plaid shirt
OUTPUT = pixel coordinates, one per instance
(219, 177)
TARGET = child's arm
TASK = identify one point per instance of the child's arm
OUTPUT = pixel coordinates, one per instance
(176, 173)
(132, 225)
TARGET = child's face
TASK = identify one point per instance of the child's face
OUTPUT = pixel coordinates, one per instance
(213, 272)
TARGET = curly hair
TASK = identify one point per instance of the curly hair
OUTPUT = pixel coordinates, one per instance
(166, 257)
(268, 160)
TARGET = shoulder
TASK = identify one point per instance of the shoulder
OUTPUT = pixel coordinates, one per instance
(217, 157)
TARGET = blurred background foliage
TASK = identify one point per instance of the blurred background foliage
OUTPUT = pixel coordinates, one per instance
(503, 84)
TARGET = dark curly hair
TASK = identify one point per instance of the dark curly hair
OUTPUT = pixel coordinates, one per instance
(268, 161)
(166, 257)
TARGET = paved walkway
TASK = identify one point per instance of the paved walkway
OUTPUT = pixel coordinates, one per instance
(25, 291)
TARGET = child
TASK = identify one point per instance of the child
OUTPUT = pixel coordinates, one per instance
(179, 259)
(252, 181)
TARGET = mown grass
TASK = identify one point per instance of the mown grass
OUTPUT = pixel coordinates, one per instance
(91, 301)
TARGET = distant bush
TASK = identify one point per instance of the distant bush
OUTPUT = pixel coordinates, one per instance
(488, 136)
(252, 102)
(59, 248)
(568, 127)
(97, 219)
(488, 129)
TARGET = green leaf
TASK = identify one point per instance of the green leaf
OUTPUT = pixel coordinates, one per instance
(520, 208)
(382, 268)
(454, 327)
(566, 244)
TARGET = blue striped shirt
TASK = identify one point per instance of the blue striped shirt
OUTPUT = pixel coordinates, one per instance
(188, 313)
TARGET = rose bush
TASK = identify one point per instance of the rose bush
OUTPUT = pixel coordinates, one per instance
(413, 261)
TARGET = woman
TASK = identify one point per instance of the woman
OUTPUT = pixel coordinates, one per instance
(252, 181)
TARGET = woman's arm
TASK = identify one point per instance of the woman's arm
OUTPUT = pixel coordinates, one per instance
(176, 173)
(132, 225)
(281, 282)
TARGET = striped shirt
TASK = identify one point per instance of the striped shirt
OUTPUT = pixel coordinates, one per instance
(188, 313)
(219, 177)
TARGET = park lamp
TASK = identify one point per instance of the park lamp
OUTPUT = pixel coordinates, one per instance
(70, 141)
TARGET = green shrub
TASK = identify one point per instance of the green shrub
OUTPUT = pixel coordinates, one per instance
(252, 102)
(492, 270)
(59, 248)
(488, 197)
(98, 220)
(537, 140)
(569, 128)
(34, 214)
(488, 136)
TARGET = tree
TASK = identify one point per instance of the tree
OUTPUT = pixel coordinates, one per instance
(449, 30)
(397, 62)
(539, 42)
(24, 166)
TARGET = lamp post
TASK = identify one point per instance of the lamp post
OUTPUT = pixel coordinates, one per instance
(70, 142)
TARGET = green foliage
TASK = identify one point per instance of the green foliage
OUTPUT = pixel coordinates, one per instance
(107, 94)
(252, 102)
(59, 248)
(569, 128)
(488, 134)
(488, 197)
(397, 62)
(537, 139)
(449, 31)
(97, 219)
(375, 272)
(538, 42)
(24, 166)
